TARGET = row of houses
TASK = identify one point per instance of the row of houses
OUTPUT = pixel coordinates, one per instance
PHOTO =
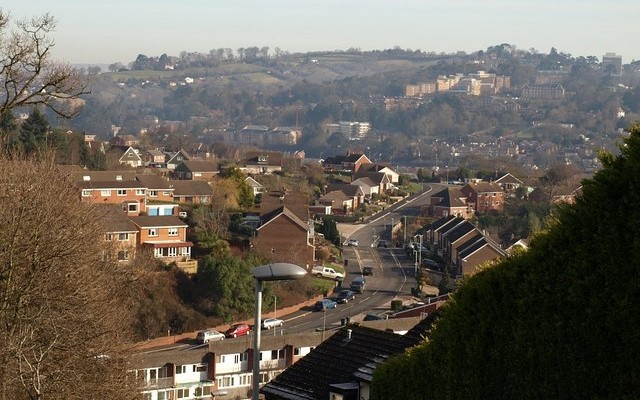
(300, 366)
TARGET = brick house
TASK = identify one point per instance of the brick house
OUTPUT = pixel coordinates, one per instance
(196, 170)
(130, 195)
(475, 252)
(284, 237)
(119, 232)
(165, 236)
(449, 201)
(484, 196)
(191, 192)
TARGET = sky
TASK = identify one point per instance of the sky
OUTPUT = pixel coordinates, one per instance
(108, 31)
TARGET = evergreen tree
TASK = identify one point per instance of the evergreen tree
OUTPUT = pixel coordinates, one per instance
(34, 132)
(560, 321)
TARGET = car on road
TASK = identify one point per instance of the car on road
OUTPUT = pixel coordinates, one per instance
(345, 295)
(325, 304)
(375, 317)
(237, 330)
(358, 284)
(428, 263)
(269, 323)
(209, 336)
(367, 270)
(352, 242)
(382, 243)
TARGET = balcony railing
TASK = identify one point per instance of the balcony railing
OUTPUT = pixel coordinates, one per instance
(158, 383)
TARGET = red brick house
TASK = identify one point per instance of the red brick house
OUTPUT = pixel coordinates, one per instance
(484, 196)
(130, 195)
(450, 201)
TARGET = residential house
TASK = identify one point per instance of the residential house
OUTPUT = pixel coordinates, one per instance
(484, 196)
(166, 237)
(367, 186)
(339, 202)
(167, 375)
(297, 202)
(223, 368)
(155, 158)
(474, 253)
(263, 162)
(130, 195)
(508, 182)
(196, 170)
(449, 201)
(394, 177)
(285, 237)
(345, 163)
(131, 158)
(176, 158)
(455, 237)
(124, 141)
(191, 192)
(120, 233)
(342, 366)
(256, 186)
(159, 189)
(382, 180)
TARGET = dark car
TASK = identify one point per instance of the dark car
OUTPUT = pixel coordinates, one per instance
(345, 295)
(428, 263)
(324, 304)
(237, 330)
(382, 243)
(367, 270)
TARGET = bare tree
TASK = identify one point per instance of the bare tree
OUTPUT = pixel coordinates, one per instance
(64, 311)
(28, 74)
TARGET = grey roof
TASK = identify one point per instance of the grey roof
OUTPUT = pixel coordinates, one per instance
(145, 221)
(459, 231)
(115, 219)
(349, 356)
(191, 188)
(106, 185)
(154, 181)
(451, 197)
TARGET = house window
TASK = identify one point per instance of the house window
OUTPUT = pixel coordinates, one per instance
(166, 193)
(163, 395)
(172, 252)
(123, 236)
(244, 380)
(157, 252)
(123, 255)
(105, 193)
(202, 391)
(152, 193)
(108, 237)
(173, 231)
(122, 192)
(182, 393)
(140, 192)
(153, 232)
(200, 368)
(87, 193)
(132, 207)
(296, 351)
(181, 369)
(225, 381)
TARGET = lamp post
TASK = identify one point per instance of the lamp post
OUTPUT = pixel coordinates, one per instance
(419, 253)
(264, 273)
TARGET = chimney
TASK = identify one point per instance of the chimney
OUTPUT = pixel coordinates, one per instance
(349, 334)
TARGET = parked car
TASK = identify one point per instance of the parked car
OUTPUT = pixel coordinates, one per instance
(326, 272)
(375, 317)
(367, 270)
(325, 304)
(352, 242)
(358, 284)
(269, 323)
(237, 330)
(428, 263)
(345, 295)
(209, 336)
(382, 243)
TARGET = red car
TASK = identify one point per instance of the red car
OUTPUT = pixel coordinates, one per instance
(237, 330)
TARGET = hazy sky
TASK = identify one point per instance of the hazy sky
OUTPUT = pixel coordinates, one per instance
(108, 31)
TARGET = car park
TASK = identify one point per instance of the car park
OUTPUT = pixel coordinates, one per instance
(237, 330)
(345, 295)
(367, 270)
(269, 323)
(352, 242)
(325, 304)
(209, 336)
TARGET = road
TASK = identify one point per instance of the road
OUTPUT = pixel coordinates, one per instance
(393, 275)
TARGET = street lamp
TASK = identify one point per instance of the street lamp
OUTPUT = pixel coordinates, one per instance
(419, 253)
(268, 272)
